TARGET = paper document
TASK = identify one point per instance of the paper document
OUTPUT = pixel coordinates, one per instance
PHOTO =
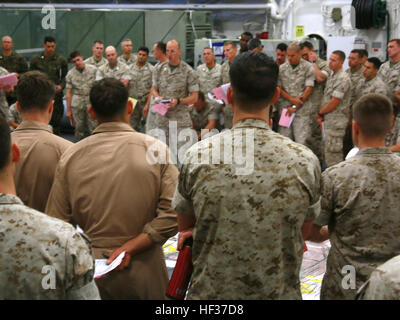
(212, 98)
(160, 108)
(134, 102)
(101, 268)
(221, 92)
(8, 80)
(286, 120)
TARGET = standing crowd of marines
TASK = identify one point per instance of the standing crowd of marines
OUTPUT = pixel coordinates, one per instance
(130, 192)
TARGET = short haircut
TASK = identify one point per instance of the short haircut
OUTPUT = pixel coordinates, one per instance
(145, 49)
(161, 46)
(373, 113)
(49, 39)
(201, 96)
(375, 61)
(306, 44)
(340, 54)
(98, 41)
(5, 143)
(125, 41)
(362, 53)
(108, 98)
(208, 48)
(35, 91)
(249, 34)
(282, 46)
(254, 43)
(395, 40)
(74, 54)
(294, 46)
(230, 43)
(358, 51)
(254, 78)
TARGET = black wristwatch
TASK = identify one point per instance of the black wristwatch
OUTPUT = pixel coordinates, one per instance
(178, 101)
(320, 114)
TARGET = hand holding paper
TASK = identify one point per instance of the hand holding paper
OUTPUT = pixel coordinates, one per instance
(101, 266)
(161, 108)
(9, 80)
(286, 120)
(222, 92)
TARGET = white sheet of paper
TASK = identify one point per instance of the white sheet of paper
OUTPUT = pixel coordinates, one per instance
(101, 268)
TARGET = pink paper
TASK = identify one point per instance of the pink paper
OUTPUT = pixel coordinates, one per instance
(220, 93)
(285, 120)
(161, 108)
(8, 80)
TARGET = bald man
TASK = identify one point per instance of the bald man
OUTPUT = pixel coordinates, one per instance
(176, 81)
(114, 68)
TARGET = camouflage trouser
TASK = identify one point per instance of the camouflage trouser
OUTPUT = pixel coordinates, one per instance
(393, 136)
(333, 144)
(179, 137)
(58, 112)
(228, 116)
(84, 124)
(299, 131)
(136, 117)
(315, 142)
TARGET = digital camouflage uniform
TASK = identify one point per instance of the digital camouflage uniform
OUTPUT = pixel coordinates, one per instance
(228, 112)
(355, 78)
(120, 71)
(3, 99)
(200, 118)
(13, 114)
(391, 77)
(56, 68)
(247, 239)
(360, 204)
(81, 81)
(384, 282)
(32, 246)
(315, 142)
(339, 86)
(96, 63)
(294, 81)
(375, 85)
(13, 63)
(208, 80)
(139, 88)
(131, 61)
(173, 84)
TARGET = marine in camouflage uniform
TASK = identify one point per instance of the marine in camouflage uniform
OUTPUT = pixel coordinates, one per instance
(390, 74)
(3, 99)
(56, 68)
(97, 63)
(139, 89)
(384, 282)
(120, 71)
(80, 82)
(208, 80)
(294, 80)
(359, 203)
(355, 78)
(173, 83)
(201, 118)
(228, 112)
(375, 85)
(247, 238)
(337, 86)
(36, 245)
(130, 61)
(314, 142)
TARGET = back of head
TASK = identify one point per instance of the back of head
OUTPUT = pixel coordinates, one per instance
(373, 114)
(108, 98)
(5, 143)
(254, 43)
(254, 78)
(34, 91)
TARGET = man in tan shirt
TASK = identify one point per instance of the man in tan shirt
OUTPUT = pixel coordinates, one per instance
(117, 185)
(40, 148)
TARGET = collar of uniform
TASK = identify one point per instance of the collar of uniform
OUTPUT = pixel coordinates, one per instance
(251, 123)
(9, 199)
(112, 127)
(33, 125)
(375, 150)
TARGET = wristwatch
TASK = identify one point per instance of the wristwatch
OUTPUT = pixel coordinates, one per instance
(178, 101)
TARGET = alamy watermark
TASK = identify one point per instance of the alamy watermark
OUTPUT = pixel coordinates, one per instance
(49, 20)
